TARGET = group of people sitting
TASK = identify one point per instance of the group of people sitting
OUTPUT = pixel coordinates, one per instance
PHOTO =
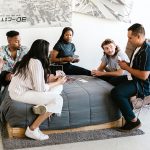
(30, 74)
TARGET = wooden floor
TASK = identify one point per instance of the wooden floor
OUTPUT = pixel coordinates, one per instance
(19, 132)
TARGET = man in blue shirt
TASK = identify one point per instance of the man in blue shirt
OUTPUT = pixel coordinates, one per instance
(138, 83)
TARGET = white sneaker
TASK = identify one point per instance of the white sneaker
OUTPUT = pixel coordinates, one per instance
(39, 109)
(36, 134)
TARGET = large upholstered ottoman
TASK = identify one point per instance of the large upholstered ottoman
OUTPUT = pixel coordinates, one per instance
(87, 102)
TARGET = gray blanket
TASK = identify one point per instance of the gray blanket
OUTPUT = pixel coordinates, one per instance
(87, 101)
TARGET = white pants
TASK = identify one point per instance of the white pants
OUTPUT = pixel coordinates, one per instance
(52, 99)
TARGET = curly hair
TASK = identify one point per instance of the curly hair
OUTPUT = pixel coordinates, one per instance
(109, 41)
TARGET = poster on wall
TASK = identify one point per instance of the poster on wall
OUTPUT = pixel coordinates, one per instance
(108, 9)
(35, 13)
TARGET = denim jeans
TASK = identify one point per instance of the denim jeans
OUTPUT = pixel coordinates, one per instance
(121, 94)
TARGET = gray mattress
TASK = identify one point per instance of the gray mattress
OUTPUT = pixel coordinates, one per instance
(85, 103)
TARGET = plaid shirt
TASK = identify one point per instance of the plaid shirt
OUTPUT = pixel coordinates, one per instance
(9, 61)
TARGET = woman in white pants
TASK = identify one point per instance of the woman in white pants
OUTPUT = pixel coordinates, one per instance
(33, 84)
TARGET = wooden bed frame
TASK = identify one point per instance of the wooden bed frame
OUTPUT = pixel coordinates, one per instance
(16, 132)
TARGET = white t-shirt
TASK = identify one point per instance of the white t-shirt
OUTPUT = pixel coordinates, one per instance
(135, 52)
(131, 63)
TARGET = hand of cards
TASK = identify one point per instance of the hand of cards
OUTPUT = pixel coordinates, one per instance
(75, 58)
(60, 73)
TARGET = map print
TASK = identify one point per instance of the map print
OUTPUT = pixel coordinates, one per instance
(107, 9)
(35, 13)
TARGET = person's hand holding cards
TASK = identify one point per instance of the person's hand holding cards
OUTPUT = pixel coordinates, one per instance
(75, 59)
(60, 73)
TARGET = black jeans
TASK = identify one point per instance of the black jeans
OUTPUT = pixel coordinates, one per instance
(121, 94)
(70, 69)
(110, 79)
(3, 82)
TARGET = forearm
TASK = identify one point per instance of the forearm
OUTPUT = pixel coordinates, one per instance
(62, 59)
(99, 69)
(114, 73)
(143, 75)
(59, 81)
(53, 84)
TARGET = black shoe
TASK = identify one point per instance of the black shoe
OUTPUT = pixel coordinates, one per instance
(130, 126)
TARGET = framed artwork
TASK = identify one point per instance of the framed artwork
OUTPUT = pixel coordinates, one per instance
(35, 13)
(108, 9)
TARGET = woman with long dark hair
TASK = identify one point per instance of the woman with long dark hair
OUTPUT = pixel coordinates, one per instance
(33, 84)
(63, 53)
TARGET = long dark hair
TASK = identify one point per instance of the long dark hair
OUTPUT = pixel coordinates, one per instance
(61, 39)
(108, 41)
(39, 50)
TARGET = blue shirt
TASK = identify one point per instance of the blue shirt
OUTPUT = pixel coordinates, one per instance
(9, 61)
(141, 62)
(65, 49)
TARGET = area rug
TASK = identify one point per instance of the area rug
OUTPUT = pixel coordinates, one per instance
(65, 138)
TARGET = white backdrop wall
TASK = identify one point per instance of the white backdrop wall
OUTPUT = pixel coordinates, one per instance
(89, 32)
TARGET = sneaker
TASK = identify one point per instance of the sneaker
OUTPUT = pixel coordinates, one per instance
(39, 109)
(36, 134)
(130, 126)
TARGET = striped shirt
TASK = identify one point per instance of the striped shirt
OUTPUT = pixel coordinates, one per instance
(34, 80)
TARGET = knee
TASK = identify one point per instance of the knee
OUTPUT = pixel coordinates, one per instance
(115, 93)
(59, 100)
(57, 89)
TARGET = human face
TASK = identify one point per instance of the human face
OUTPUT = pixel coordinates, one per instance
(68, 36)
(110, 49)
(134, 39)
(14, 42)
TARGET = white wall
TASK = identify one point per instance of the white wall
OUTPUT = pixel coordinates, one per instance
(141, 14)
(89, 33)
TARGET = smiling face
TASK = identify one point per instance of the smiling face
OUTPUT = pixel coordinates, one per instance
(68, 36)
(109, 49)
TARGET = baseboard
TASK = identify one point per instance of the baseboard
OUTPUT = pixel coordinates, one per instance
(15, 132)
